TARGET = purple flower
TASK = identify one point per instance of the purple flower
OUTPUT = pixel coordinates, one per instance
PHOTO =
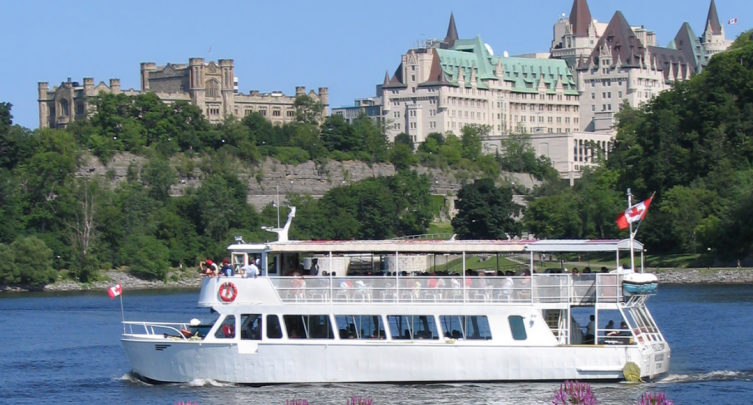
(654, 399)
(574, 393)
(360, 401)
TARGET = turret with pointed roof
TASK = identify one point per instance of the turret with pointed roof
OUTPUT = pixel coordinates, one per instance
(712, 21)
(452, 32)
(580, 18)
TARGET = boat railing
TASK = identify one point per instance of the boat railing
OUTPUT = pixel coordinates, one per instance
(153, 329)
(542, 288)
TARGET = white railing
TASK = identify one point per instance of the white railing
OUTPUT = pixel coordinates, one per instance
(541, 288)
(153, 329)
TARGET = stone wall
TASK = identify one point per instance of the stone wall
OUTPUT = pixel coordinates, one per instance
(272, 177)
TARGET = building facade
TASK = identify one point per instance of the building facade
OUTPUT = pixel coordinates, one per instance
(616, 62)
(445, 85)
(210, 86)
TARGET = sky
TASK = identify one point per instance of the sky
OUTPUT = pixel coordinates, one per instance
(277, 45)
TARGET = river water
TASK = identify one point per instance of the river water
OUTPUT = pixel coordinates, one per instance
(64, 348)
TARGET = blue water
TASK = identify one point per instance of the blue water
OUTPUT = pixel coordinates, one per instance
(64, 348)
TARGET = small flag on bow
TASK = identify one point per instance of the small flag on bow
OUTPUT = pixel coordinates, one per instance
(114, 291)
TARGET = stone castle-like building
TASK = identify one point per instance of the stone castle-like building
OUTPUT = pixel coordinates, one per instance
(617, 62)
(210, 86)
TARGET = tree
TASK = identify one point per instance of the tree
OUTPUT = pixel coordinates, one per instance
(33, 261)
(158, 176)
(401, 157)
(405, 139)
(307, 138)
(147, 256)
(485, 211)
(338, 135)
(308, 111)
(471, 140)
(82, 222)
(375, 143)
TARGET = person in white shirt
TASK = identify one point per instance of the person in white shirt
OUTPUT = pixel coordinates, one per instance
(250, 270)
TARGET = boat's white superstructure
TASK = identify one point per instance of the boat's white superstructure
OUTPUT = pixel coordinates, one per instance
(280, 328)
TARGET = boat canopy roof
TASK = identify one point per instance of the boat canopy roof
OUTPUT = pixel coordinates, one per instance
(386, 246)
(582, 245)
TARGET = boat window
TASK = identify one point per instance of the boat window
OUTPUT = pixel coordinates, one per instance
(308, 326)
(251, 327)
(517, 327)
(274, 331)
(239, 260)
(360, 326)
(412, 327)
(466, 327)
(226, 329)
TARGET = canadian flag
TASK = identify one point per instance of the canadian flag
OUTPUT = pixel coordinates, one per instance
(114, 291)
(633, 214)
(732, 21)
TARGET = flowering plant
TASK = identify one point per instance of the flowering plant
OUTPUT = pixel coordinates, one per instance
(654, 399)
(360, 401)
(574, 393)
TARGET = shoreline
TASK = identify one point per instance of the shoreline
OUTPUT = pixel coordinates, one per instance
(129, 282)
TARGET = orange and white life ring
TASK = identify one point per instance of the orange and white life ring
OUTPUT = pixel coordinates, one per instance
(228, 292)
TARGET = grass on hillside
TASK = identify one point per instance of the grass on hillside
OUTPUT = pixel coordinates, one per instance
(440, 227)
(478, 263)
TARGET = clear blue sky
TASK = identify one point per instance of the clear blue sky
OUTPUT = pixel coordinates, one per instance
(277, 45)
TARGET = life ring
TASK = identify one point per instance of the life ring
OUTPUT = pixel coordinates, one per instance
(228, 292)
(228, 331)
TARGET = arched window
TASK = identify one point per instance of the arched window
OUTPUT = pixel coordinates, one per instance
(213, 88)
(64, 111)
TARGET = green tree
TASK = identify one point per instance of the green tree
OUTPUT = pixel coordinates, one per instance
(471, 140)
(339, 135)
(158, 176)
(405, 139)
(33, 261)
(307, 110)
(375, 142)
(147, 257)
(401, 157)
(485, 211)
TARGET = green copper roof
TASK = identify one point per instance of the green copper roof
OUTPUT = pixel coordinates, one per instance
(469, 55)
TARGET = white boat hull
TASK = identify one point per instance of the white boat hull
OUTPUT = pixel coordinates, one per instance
(383, 361)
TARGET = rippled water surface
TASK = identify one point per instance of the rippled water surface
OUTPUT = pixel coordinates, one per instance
(65, 348)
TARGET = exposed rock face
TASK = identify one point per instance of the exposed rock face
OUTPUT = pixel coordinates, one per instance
(271, 177)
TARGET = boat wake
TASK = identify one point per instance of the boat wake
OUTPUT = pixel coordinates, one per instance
(209, 383)
(719, 375)
(133, 378)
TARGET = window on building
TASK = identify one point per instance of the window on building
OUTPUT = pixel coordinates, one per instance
(619, 94)
(413, 77)
(276, 113)
(291, 113)
(64, 111)
(263, 111)
(409, 327)
(308, 326)
(593, 108)
(213, 88)
(550, 120)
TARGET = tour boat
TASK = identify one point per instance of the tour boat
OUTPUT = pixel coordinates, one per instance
(389, 324)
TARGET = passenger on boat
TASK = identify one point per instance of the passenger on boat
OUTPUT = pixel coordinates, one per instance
(314, 269)
(250, 270)
(227, 269)
(589, 338)
(610, 328)
(298, 285)
(210, 268)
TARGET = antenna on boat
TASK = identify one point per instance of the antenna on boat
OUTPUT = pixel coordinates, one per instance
(282, 233)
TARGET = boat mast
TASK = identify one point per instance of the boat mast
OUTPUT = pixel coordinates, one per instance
(632, 253)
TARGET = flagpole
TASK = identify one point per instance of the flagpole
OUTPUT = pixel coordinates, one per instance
(122, 313)
(632, 252)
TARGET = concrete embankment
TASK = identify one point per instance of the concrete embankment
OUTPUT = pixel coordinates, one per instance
(128, 282)
(704, 276)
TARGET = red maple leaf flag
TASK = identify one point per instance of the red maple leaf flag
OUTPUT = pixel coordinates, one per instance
(633, 214)
(114, 291)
